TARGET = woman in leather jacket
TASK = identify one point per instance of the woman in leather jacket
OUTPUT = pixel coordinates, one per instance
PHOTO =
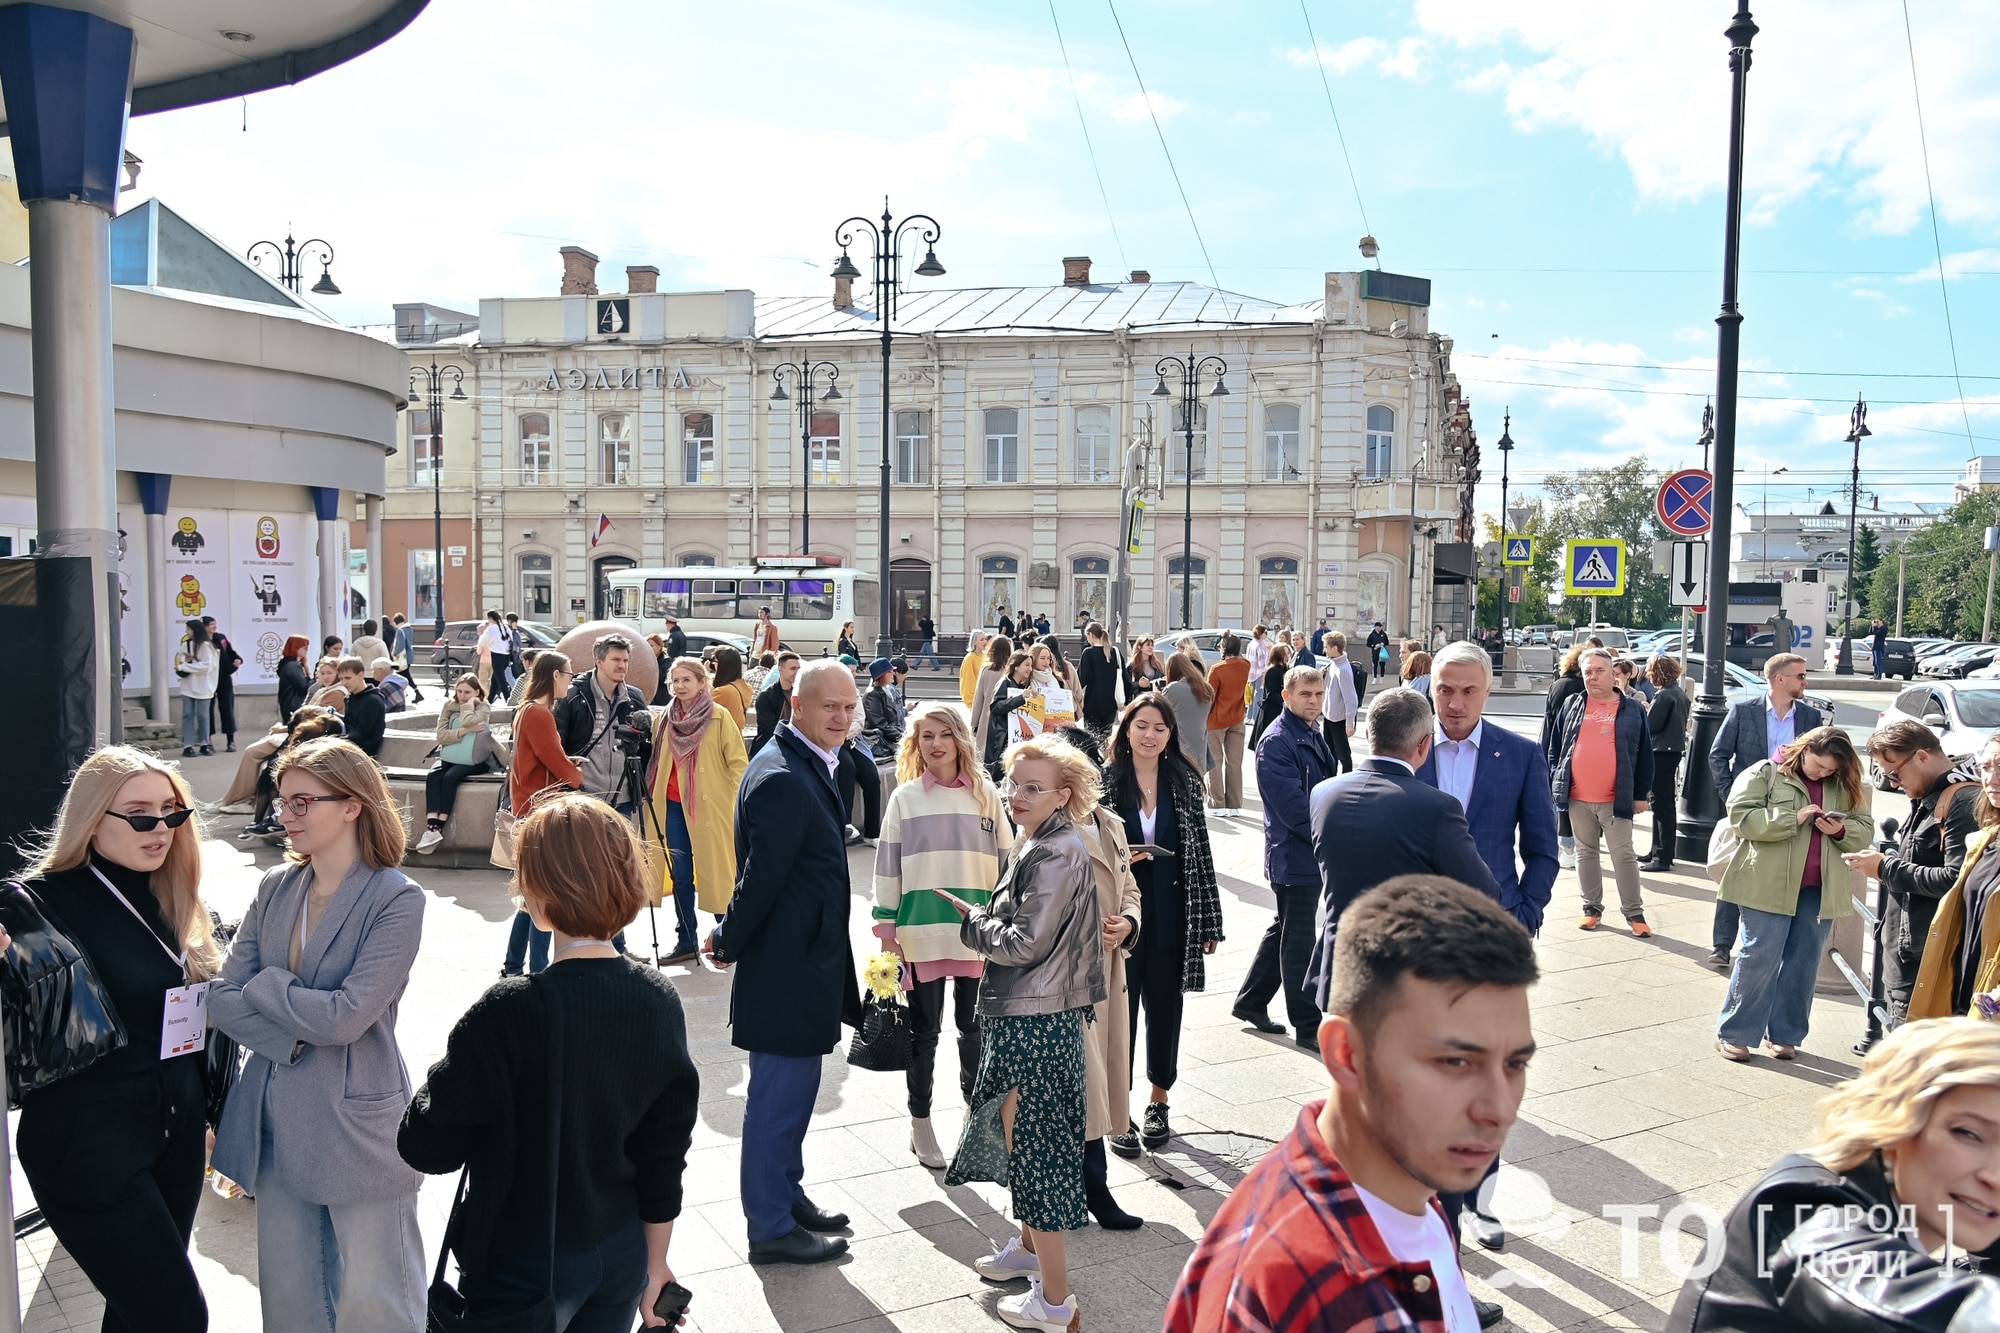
(1840, 1238)
(1041, 938)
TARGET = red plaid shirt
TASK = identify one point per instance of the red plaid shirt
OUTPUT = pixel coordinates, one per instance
(1293, 1248)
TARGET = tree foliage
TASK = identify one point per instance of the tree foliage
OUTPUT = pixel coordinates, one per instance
(1945, 587)
(1614, 501)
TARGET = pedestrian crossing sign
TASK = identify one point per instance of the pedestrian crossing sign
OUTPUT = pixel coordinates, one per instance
(1518, 550)
(1594, 567)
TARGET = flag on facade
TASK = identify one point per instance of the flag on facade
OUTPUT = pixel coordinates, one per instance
(603, 526)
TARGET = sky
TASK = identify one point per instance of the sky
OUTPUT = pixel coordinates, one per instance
(1557, 171)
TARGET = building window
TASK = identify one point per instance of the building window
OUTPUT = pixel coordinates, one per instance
(701, 558)
(424, 447)
(913, 449)
(538, 454)
(1093, 444)
(424, 588)
(1177, 447)
(1278, 590)
(697, 448)
(1090, 582)
(1381, 441)
(1195, 579)
(1003, 444)
(998, 587)
(823, 446)
(614, 450)
(1281, 442)
(538, 587)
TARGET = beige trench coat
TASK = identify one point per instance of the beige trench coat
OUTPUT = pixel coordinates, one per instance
(1107, 1042)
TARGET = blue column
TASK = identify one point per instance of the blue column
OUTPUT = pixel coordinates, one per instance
(332, 569)
(154, 488)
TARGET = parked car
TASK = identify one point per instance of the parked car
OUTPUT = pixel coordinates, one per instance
(1899, 657)
(1959, 662)
(1931, 647)
(1742, 683)
(1964, 714)
(458, 651)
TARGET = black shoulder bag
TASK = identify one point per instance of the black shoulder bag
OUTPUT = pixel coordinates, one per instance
(445, 1311)
(58, 1019)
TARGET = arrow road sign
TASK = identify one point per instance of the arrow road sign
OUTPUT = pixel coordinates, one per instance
(1519, 550)
(1594, 567)
(1688, 578)
(1686, 503)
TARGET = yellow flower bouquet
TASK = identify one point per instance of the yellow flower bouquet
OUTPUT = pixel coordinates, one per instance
(883, 976)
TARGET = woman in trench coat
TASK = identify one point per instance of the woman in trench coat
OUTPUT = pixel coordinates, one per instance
(1107, 1042)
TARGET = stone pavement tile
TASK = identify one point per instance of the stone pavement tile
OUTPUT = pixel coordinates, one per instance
(1618, 1054)
(913, 1199)
(1223, 1044)
(781, 1298)
(1585, 1177)
(1271, 1119)
(836, 1153)
(1279, 1074)
(1635, 1259)
(699, 1245)
(711, 1175)
(1559, 1066)
(1677, 1165)
(960, 1314)
(1160, 1268)
(1114, 1300)
(906, 1269)
(1744, 1138)
(1593, 1113)
(1681, 1095)
(1542, 1291)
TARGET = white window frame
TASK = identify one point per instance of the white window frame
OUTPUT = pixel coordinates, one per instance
(913, 447)
(614, 450)
(424, 447)
(1094, 448)
(538, 453)
(1281, 445)
(1177, 448)
(823, 451)
(1380, 458)
(697, 451)
(1003, 448)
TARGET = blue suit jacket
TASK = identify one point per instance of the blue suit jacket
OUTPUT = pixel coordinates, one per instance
(1745, 738)
(1510, 805)
(1376, 823)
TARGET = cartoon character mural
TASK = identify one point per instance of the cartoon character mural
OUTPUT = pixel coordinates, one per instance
(187, 538)
(267, 538)
(266, 593)
(191, 599)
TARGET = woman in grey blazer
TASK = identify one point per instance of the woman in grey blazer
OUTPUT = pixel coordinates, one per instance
(310, 986)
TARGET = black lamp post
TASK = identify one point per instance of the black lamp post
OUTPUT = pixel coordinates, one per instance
(887, 240)
(1191, 370)
(803, 374)
(1857, 432)
(1506, 570)
(1701, 803)
(427, 389)
(288, 262)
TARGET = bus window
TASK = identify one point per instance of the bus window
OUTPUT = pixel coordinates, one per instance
(666, 597)
(867, 600)
(809, 599)
(753, 594)
(713, 599)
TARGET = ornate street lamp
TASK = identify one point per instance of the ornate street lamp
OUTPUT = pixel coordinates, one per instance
(1191, 370)
(288, 263)
(1857, 431)
(803, 374)
(427, 390)
(1506, 571)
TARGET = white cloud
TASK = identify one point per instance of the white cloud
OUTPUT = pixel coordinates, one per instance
(1403, 60)
(1957, 266)
(1135, 107)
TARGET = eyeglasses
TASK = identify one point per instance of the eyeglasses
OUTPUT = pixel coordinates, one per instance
(147, 823)
(1033, 791)
(301, 806)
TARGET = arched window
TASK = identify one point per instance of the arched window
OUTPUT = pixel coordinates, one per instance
(1278, 591)
(1003, 444)
(1177, 446)
(823, 446)
(702, 558)
(1381, 441)
(1094, 461)
(1090, 584)
(1189, 612)
(1281, 442)
(538, 456)
(614, 450)
(999, 587)
(697, 448)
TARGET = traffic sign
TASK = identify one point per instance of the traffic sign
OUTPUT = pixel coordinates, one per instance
(1519, 550)
(1514, 593)
(1686, 503)
(1594, 567)
(1687, 579)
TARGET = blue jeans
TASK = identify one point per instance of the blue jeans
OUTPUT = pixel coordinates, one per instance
(525, 941)
(596, 1290)
(1875, 657)
(194, 721)
(927, 650)
(776, 1111)
(680, 865)
(1771, 985)
(1728, 918)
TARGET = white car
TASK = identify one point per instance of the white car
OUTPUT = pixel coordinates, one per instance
(1964, 714)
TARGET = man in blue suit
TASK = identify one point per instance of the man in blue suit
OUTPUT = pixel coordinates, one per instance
(1381, 821)
(1756, 730)
(786, 936)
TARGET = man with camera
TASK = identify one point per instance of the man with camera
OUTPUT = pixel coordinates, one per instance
(604, 722)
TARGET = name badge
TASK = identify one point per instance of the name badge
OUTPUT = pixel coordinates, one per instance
(185, 1029)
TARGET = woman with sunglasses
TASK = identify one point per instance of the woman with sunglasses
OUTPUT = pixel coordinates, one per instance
(115, 1152)
(310, 986)
(539, 764)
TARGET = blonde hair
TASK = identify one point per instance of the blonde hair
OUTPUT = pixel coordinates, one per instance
(910, 761)
(93, 790)
(1890, 1101)
(579, 861)
(1078, 773)
(348, 771)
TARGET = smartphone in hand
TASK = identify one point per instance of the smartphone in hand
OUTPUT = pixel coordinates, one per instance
(959, 904)
(673, 1303)
(1157, 853)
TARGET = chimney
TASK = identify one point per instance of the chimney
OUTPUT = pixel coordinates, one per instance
(641, 278)
(1140, 275)
(843, 293)
(1076, 270)
(579, 271)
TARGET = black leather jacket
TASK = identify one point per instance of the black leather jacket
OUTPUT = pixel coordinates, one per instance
(1801, 1256)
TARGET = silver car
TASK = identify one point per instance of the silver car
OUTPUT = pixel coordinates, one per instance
(1964, 714)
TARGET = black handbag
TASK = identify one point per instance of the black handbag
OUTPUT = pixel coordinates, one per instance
(57, 1018)
(884, 1041)
(445, 1307)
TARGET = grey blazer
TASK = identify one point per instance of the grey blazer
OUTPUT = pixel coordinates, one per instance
(324, 1065)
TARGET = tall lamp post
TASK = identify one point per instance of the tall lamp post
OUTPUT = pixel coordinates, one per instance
(803, 374)
(1191, 370)
(1506, 570)
(289, 256)
(1701, 803)
(887, 240)
(427, 388)
(1857, 431)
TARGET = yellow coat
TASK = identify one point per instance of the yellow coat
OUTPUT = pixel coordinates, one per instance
(718, 771)
(1939, 969)
(968, 681)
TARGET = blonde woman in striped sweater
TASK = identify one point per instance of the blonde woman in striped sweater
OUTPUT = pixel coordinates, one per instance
(945, 827)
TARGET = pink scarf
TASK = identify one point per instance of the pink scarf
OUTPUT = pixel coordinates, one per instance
(686, 725)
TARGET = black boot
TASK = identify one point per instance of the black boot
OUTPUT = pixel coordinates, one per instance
(1106, 1210)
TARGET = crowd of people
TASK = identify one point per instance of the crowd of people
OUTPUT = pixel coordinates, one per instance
(1042, 867)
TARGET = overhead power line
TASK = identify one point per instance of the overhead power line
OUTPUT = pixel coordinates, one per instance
(1338, 132)
(1147, 98)
(1937, 242)
(1089, 147)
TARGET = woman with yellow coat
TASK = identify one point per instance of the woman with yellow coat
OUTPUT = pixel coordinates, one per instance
(698, 762)
(1962, 952)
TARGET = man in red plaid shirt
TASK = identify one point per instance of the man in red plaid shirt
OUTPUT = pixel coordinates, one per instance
(1427, 1039)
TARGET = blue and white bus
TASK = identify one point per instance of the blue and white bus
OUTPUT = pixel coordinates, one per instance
(809, 600)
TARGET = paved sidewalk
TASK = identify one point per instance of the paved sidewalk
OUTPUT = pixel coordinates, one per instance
(1628, 1105)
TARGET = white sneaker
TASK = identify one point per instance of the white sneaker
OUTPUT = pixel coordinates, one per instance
(1031, 1309)
(923, 1142)
(432, 837)
(1566, 857)
(1012, 1262)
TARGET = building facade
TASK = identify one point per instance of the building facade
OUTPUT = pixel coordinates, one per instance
(604, 430)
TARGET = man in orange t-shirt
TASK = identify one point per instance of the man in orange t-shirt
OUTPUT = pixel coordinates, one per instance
(1602, 770)
(1231, 679)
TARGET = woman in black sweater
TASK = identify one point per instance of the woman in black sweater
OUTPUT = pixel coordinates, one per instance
(628, 1094)
(115, 1153)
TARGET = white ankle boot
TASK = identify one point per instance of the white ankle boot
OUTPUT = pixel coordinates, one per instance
(923, 1142)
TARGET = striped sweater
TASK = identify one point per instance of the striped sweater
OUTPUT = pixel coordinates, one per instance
(937, 837)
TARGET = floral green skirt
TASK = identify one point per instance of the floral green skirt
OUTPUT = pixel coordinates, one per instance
(1042, 1056)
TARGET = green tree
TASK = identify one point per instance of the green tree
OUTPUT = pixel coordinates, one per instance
(1946, 564)
(1615, 501)
(1867, 558)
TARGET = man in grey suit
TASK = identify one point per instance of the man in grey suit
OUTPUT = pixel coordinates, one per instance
(1756, 730)
(1381, 821)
